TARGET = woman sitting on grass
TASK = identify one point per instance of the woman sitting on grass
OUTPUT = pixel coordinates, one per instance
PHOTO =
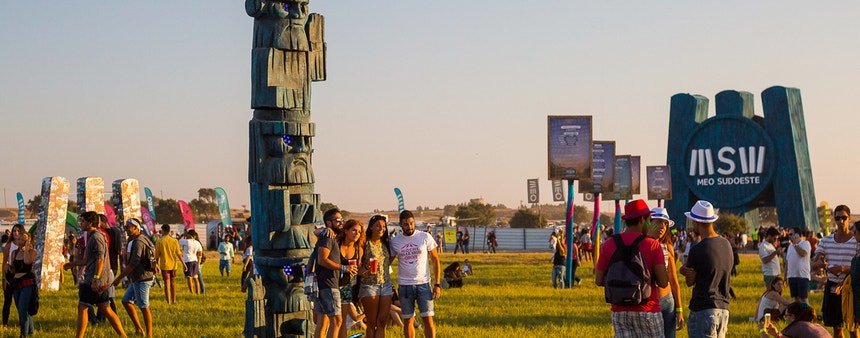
(772, 301)
(801, 323)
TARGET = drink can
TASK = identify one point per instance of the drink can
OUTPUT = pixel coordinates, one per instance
(374, 265)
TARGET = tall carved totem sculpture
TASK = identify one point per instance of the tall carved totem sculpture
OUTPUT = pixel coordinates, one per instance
(288, 53)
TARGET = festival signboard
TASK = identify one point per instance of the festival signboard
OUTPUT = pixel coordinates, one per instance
(622, 189)
(569, 143)
(603, 168)
(659, 182)
(636, 174)
(557, 191)
(533, 191)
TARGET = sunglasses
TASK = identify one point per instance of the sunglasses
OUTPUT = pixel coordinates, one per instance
(840, 218)
(339, 220)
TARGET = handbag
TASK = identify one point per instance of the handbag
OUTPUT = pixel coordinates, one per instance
(33, 309)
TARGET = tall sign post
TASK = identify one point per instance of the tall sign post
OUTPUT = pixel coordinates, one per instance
(731, 159)
(569, 158)
(602, 180)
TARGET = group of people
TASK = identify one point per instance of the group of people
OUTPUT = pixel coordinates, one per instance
(352, 268)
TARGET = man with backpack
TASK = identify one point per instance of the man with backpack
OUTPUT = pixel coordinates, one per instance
(140, 269)
(708, 270)
(629, 268)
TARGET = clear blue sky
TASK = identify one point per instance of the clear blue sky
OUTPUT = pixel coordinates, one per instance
(446, 101)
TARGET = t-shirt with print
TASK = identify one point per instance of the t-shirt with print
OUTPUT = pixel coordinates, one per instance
(770, 268)
(796, 266)
(412, 254)
(651, 252)
(837, 254)
(327, 278)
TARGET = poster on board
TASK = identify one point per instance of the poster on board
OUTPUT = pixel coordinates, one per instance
(569, 147)
(603, 168)
(659, 182)
(622, 190)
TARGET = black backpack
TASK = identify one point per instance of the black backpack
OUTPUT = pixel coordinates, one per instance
(628, 279)
(147, 261)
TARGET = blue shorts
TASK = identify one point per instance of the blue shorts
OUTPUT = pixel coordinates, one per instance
(409, 294)
(191, 269)
(799, 287)
(88, 297)
(224, 264)
(376, 290)
(138, 293)
(328, 302)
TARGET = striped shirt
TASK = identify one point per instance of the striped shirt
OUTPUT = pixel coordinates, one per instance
(837, 254)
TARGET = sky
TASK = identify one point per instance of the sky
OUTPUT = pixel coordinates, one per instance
(446, 102)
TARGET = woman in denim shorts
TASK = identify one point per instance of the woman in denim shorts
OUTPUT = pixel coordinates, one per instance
(376, 288)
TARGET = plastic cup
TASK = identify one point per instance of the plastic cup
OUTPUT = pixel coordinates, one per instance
(374, 265)
(352, 262)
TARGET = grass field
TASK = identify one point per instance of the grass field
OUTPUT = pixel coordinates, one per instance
(510, 295)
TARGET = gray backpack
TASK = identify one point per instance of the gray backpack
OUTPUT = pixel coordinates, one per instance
(628, 279)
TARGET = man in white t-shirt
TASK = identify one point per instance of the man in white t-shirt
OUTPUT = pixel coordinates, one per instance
(797, 264)
(191, 253)
(769, 255)
(412, 249)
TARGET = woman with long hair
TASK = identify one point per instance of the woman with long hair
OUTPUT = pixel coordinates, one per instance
(376, 287)
(771, 300)
(350, 241)
(23, 281)
(670, 296)
(11, 245)
(801, 323)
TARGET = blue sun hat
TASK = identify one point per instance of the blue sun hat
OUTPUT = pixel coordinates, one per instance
(662, 214)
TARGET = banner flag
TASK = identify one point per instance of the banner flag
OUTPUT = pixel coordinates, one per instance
(20, 208)
(533, 191)
(400, 204)
(187, 215)
(110, 214)
(557, 191)
(150, 202)
(147, 220)
(223, 207)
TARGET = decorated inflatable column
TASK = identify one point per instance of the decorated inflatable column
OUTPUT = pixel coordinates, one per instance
(49, 233)
(91, 194)
(126, 200)
(288, 53)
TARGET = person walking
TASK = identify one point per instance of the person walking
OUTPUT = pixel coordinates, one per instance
(643, 320)
(412, 250)
(96, 276)
(492, 243)
(169, 257)
(769, 254)
(23, 281)
(225, 253)
(708, 271)
(459, 244)
(141, 273)
(376, 289)
(670, 297)
(797, 265)
(834, 254)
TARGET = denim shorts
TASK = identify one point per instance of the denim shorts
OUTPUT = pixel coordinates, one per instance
(376, 290)
(138, 293)
(409, 294)
(224, 264)
(328, 302)
(191, 269)
(88, 297)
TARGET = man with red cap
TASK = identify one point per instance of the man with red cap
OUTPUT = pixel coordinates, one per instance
(638, 320)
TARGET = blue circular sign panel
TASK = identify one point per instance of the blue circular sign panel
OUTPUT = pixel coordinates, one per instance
(729, 161)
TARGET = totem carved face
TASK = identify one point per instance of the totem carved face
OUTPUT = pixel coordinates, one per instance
(287, 151)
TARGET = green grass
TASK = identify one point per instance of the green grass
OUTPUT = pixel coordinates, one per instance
(510, 295)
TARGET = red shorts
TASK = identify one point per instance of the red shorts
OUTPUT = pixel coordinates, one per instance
(586, 246)
(168, 274)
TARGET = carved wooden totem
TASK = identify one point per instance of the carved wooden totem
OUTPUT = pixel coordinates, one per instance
(288, 53)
